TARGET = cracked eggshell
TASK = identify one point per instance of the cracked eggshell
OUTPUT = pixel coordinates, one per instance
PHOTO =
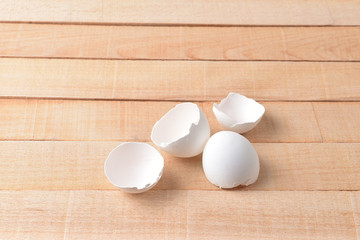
(134, 167)
(238, 113)
(182, 131)
(229, 160)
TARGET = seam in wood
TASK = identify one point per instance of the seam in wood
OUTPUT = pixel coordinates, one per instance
(179, 59)
(253, 80)
(317, 122)
(68, 214)
(18, 34)
(354, 217)
(175, 100)
(132, 24)
(323, 80)
(205, 85)
(34, 121)
(329, 12)
(145, 140)
(108, 42)
(240, 189)
(283, 42)
(115, 80)
(187, 216)
(102, 10)
(148, 140)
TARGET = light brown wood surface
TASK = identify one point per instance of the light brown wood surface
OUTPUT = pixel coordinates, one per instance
(184, 43)
(79, 77)
(178, 215)
(178, 80)
(355, 201)
(133, 120)
(230, 12)
(335, 119)
(66, 165)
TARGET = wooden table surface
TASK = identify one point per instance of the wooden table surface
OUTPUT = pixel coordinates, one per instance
(79, 77)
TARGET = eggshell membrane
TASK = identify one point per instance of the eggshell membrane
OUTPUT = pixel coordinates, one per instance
(238, 113)
(182, 131)
(229, 160)
(134, 167)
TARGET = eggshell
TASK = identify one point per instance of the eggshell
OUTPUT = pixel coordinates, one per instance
(182, 131)
(238, 113)
(134, 167)
(229, 160)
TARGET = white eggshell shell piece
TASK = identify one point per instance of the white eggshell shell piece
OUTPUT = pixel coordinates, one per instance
(238, 113)
(134, 167)
(182, 131)
(229, 160)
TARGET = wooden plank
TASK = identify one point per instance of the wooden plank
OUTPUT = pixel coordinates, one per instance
(217, 214)
(344, 12)
(117, 120)
(339, 122)
(178, 80)
(122, 120)
(33, 215)
(79, 166)
(355, 201)
(233, 12)
(18, 121)
(212, 43)
(176, 215)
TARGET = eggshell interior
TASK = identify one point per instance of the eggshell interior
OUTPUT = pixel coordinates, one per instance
(183, 131)
(134, 167)
(238, 113)
(229, 160)
(175, 124)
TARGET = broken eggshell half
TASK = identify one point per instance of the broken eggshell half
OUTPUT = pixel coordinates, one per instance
(182, 131)
(230, 160)
(134, 167)
(238, 113)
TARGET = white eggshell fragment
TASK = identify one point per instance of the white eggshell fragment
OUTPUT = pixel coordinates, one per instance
(238, 113)
(182, 131)
(134, 167)
(229, 160)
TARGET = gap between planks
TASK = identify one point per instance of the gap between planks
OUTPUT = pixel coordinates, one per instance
(164, 100)
(183, 60)
(175, 24)
(156, 189)
(124, 100)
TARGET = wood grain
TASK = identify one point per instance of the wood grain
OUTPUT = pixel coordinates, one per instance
(342, 11)
(79, 77)
(232, 12)
(355, 201)
(188, 43)
(176, 215)
(226, 214)
(33, 165)
(122, 120)
(178, 80)
(339, 121)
